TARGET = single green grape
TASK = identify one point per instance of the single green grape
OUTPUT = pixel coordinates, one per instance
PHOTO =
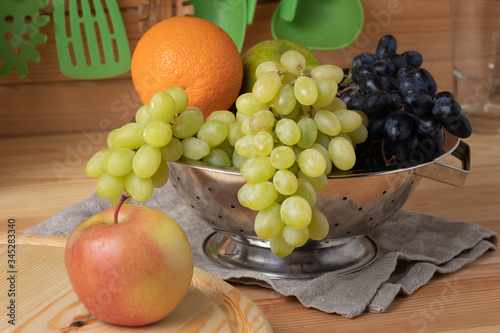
(279, 247)
(342, 153)
(326, 155)
(217, 158)
(213, 132)
(245, 147)
(306, 90)
(173, 151)
(195, 149)
(268, 222)
(308, 132)
(293, 61)
(234, 133)
(284, 101)
(108, 186)
(146, 161)
(257, 196)
(306, 190)
(287, 131)
(327, 89)
(349, 120)
(247, 104)
(295, 237)
(141, 189)
(180, 98)
(328, 72)
(261, 121)
(282, 157)
(256, 170)
(359, 135)
(157, 134)
(142, 116)
(319, 227)
(327, 122)
(188, 123)
(160, 177)
(96, 165)
(263, 143)
(119, 161)
(285, 182)
(296, 212)
(319, 183)
(162, 107)
(266, 87)
(128, 136)
(312, 162)
(264, 67)
(227, 117)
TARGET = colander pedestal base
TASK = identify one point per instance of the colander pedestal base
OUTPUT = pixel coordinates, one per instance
(303, 263)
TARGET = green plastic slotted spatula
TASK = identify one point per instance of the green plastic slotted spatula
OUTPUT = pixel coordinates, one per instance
(87, 46)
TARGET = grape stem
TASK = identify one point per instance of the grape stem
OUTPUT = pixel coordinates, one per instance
(340, 92)
(124, 197)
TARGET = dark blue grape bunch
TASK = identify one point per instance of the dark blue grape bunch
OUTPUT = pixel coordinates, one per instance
(408, 117)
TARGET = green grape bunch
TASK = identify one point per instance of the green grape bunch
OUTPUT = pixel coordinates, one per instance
(285, 137)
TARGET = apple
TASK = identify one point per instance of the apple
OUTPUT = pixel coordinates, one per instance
(271, 50)
(129, 265)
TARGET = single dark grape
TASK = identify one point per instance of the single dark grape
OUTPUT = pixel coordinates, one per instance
(347, 95)
(405, 79)
(460, 127)
(420, 102)
(396, 97)
(356, 102)
(361, 70)
(369, 83)
(369, 156)
(363, 59)
(398, 126)
(390, 83)
(446, 110)
(413, 58)
(427, 125)
(386, 44)
(377, 104)
(384, 68)
(424, 81)
(444, 94)
(406, 150)
(376, 127)
(395, 59)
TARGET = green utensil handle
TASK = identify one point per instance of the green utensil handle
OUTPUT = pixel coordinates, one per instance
(287, 9)
(251, 4)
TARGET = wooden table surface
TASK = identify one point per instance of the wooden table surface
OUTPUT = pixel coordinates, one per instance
(42, 172)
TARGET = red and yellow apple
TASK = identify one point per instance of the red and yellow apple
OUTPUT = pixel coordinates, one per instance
(133, 272)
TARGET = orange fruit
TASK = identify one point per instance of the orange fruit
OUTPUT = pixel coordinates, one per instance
(192, 53)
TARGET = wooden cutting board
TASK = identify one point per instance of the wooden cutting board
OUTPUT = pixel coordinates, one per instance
(45, 301)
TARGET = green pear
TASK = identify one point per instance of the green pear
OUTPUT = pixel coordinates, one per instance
(271, 50)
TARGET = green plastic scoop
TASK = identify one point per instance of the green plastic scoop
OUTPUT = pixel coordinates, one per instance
(318, 24)
(20, 22)
(90, 48)
(231, 15)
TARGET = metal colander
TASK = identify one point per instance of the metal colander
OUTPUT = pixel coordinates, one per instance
(354, 203)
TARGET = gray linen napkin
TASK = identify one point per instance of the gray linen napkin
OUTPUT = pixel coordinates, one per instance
(412, 248)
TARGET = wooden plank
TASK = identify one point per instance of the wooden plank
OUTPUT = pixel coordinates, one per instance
(46, 302)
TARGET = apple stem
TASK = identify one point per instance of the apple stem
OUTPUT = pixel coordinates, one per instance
(124, 197)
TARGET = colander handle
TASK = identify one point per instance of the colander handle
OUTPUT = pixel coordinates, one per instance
(449, 174)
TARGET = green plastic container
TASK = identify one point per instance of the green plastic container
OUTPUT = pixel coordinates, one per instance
(231, 15)
(318, 24)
